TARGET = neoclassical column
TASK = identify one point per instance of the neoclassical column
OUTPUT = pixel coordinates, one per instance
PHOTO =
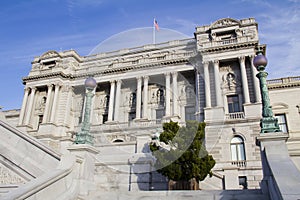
(255, 81)
(168, 94)
(69, 89)
(23, 108)
(175, 93)
(118, 98)
(207, 85)
(46, 112)
(29, 110)
(138, 97)
(111, 100)
(217, 83)
(145, 97)
(54, 105)
(244, 79)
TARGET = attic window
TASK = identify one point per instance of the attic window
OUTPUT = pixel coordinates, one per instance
(226, 35)
(49, 64)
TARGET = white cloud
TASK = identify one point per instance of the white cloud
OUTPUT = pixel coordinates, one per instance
(280, 30)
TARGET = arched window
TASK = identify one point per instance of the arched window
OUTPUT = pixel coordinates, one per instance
(237, 149)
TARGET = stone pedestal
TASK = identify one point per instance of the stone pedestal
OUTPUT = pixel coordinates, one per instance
(87, 154)
(281, 176)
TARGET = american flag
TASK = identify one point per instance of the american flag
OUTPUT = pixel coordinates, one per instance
(156, 25)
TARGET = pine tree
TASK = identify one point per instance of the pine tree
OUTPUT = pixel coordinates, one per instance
(186, 157)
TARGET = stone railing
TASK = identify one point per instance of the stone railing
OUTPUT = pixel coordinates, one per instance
(239, 163)
(284, 82)
(141, 48)
(236, 115)
(216, 43)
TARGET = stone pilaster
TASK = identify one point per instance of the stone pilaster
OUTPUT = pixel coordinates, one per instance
(138, 98)
(217, 84)
(24, 103)
(47, 108)
(255, 81)
(244, 79)
(54, 105)
(145, 99)
(175, 93)
(29, 110)
(168, 95)
(111, 101)
(118, 98)
(207, 85)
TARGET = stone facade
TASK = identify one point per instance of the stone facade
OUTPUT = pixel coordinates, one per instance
(208, 78)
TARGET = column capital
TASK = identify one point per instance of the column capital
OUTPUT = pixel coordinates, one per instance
(50, 86)
(167, 73)
(146, 77)
(26, 89)
(112, 81)
(139, 78)
(205, 63)
(175, 73)
(67, 88)
(119, 81)
(58, 84)
(242, 59)
(216, 62)
(33, 88)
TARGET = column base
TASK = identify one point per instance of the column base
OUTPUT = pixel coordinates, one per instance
(111, 122)
(141, 120)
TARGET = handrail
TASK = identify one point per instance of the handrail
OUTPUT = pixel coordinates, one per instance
(37, 185)
(31, 140)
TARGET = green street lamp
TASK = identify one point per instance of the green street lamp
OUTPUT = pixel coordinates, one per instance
(84, 136)
(268, 123)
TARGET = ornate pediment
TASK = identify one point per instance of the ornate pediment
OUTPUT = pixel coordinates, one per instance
(224, 23)
(49, 54)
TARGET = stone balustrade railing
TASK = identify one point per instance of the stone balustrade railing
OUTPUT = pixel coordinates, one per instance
(235, 115)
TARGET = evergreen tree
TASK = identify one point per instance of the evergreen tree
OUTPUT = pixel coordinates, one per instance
(186, 157)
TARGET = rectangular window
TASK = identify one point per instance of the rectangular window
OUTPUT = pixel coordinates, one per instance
(243, 182)
(190, 113)
(282, 122)
(105, 118)
(131, 116)
(159, 115)
(233, 103)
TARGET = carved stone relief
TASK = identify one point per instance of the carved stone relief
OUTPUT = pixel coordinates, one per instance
(9, 177)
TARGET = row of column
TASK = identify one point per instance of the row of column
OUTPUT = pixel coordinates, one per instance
(115, 96)
(217, 84)
(27, 104)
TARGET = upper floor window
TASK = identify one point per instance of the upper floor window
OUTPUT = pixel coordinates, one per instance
(282, 122)
(237, 149)
(190, 113)
(233, 103)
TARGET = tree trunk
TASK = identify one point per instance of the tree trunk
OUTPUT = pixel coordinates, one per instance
(184, 185)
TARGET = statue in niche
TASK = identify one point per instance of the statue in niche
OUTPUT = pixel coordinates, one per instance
(189, 92)
(132, 99)
(160, 96)
(42, 105)
(231, 82)
(105, 101)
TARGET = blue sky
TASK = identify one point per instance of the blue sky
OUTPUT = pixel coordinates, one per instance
(30, 28)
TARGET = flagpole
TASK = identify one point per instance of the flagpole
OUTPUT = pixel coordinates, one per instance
(153, 34)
